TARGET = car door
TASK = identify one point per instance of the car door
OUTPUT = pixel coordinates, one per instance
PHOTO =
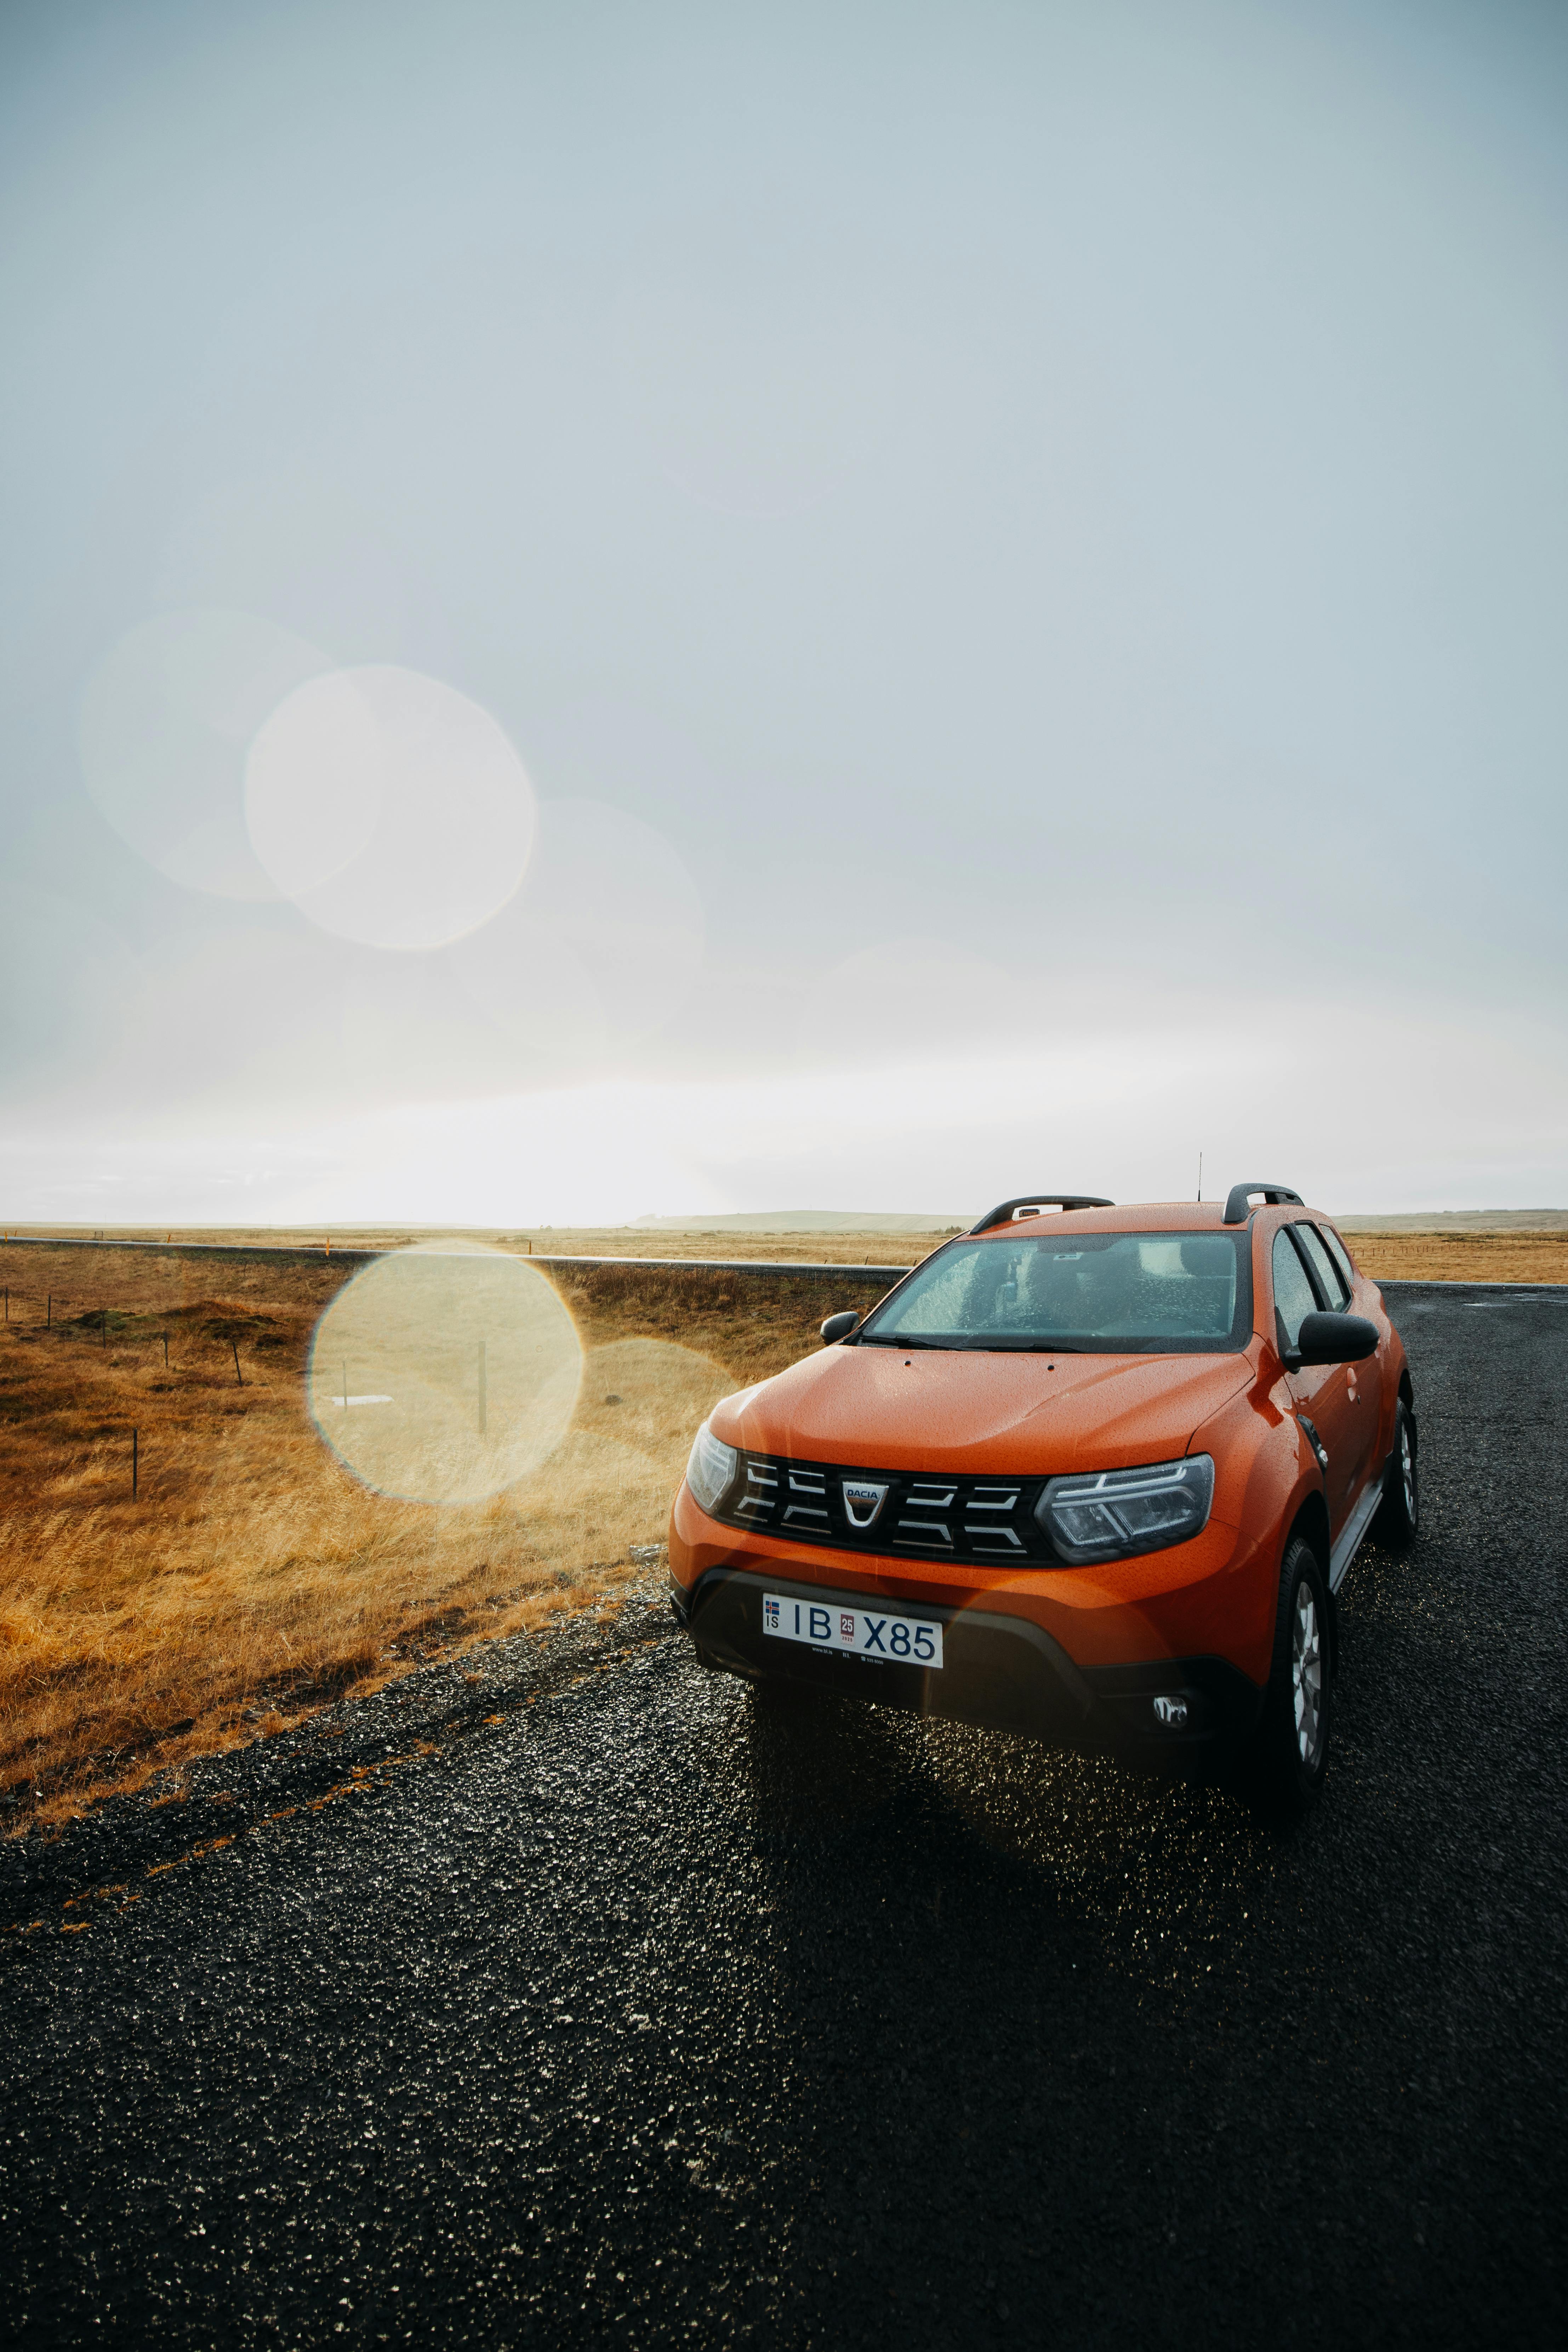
(1363, 1381)
(1320, 1390)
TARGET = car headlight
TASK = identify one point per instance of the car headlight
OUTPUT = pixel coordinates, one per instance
(711, 1471)
(1122, 1512)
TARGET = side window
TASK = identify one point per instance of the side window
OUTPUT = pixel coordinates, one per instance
(1294, 1296)
(1341, 1257)
(1333, 1288)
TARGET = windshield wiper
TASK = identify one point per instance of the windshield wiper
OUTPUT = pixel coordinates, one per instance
(980, 1342)
(1031, 1346)
(882, 1339)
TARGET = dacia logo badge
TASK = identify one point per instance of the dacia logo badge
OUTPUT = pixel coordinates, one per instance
(862, 1501)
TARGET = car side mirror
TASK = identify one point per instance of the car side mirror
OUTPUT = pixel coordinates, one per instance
(1335, 1340)
(839, 1327)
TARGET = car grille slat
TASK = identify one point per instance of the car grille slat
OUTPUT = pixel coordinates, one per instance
(959, 1518)
(758, 1499)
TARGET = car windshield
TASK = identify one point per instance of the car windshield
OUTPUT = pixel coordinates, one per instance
(1098, 1294)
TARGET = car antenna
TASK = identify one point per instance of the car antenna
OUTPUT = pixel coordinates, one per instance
(1200, 1177)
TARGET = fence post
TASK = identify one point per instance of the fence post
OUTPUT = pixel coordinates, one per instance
(239, 1376)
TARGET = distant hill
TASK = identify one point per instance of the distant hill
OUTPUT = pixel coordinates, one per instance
(881, 1221)
(810, 1221)
(1461, 1220)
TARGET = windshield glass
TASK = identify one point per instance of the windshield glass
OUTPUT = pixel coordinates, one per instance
(1102, 1294)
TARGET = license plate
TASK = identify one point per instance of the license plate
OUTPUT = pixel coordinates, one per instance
(859, 1632)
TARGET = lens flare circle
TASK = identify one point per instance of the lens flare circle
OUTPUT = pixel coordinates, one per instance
(165, 725)
(651, 1395)
(460, 1367)
(392, 810)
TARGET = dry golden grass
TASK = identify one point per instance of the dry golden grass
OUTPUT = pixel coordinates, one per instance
(585, 1241)
(1506, 1254)
(1461, 1258)
(253, 1576)
(778, 1249)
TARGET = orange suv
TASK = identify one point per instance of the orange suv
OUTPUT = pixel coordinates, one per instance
(1090, 1474)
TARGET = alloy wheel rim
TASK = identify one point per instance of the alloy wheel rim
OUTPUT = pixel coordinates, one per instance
(1306, 1676)
(1407, 1471)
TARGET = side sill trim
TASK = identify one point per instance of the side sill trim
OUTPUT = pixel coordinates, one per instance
(1350, 1534)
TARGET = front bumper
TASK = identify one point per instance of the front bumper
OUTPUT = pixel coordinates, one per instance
(1001, 1672)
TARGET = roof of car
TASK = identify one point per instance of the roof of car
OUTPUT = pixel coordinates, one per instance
(1134, 1217)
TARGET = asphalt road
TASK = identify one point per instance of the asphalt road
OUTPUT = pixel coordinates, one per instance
(580, 2006)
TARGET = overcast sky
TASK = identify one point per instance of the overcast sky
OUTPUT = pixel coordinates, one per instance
(626, 608)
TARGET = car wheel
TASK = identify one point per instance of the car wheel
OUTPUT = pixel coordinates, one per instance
(1399, 1519)
(1290, 1750)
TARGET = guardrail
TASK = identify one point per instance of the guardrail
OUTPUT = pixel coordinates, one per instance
(739, 1265)
(786, 1267)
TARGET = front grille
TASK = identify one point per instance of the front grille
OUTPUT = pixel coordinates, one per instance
(920, 1514)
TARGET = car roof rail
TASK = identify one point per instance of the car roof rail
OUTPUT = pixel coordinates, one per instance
(1029, 1205)
(1239, 1202)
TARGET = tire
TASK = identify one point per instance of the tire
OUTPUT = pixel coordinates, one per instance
(1399, 1517)
(1290, 1750)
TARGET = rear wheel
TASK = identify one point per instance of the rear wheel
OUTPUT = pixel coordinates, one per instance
(1399, 1517)
(1290, 1750)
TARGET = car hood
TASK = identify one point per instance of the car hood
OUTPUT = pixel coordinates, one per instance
(875, 1408)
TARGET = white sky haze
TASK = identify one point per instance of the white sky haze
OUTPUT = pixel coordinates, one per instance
(615, 609)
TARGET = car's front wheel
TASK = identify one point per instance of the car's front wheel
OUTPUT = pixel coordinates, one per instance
(1399, 1517)
(1290, 1750)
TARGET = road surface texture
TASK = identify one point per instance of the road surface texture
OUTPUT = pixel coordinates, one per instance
(579, 2005)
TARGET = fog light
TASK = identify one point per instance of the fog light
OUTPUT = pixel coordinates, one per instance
(1170, 1712)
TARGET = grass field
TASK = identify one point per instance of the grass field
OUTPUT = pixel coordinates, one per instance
(1461, 1258)
(252, 1576)
(560, 1241)
(1446, 1251)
